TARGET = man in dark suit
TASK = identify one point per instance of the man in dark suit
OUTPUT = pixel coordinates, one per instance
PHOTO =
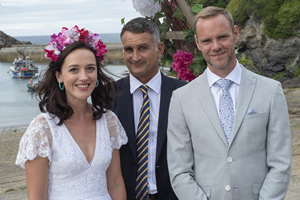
(142, 49)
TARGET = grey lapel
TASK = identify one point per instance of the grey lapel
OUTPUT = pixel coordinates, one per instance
(247, 85)
(206, 100)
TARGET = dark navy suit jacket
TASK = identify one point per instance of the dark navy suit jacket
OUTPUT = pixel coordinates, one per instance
(123, 108)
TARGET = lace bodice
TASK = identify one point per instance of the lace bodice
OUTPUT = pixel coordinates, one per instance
(70, 175)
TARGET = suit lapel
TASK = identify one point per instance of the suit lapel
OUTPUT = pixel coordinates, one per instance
(165, 96)
(246, 90)
(203, 93)
(126, 112)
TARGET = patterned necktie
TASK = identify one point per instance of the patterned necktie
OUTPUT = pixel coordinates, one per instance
(226, 110)
(141, 189)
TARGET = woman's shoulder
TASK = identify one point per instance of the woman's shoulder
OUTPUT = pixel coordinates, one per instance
(117, 133)
(109, 114)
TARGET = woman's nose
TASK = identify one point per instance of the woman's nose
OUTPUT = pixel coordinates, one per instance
(83, 75)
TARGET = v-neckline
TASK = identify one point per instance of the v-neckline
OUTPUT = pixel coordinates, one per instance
(78, 147)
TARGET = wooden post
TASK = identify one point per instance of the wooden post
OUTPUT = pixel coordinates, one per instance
(186, 9)
(173, 35)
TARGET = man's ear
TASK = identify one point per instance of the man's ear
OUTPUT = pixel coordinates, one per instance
(160, 48)
(197, 43)
(236, 34)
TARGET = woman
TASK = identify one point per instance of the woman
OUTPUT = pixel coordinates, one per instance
(70, 151)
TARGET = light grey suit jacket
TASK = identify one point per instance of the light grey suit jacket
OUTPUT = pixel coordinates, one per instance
(257, 162)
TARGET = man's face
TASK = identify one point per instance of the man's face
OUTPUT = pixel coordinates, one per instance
(141, 55)
(216, 40)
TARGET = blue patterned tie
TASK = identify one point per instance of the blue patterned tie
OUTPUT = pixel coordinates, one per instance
(226, 110)
(141, 189)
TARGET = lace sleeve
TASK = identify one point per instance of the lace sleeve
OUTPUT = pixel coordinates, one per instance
(117, 133)
(36, 141)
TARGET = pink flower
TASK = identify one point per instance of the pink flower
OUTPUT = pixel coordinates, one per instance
(182, 61)
(59, 42)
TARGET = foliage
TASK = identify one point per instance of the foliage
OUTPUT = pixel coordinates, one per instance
(278, 76)
(280, 17)
(297, 71)
(248, 63)
(172, 18)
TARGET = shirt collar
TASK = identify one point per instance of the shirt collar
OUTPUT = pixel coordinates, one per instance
(154, 83)
(234, 75)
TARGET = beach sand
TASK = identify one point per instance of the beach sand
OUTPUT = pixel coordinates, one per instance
(13, 181)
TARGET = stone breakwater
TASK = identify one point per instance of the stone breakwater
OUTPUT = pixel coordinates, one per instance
(36, 53)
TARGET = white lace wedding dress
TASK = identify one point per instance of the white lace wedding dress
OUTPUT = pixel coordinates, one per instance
(70, 176)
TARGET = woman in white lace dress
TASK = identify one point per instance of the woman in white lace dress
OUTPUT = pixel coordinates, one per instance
(70, 151)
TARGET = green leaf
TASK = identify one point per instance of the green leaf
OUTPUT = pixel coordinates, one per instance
(193, 2)
(197, 8)
(159, 15)
(123, 20)
(197, 59)
(178, 14)
(164, 27)
(185, 33)
(189, 35)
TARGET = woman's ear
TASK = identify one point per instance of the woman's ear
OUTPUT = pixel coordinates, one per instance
(58, 76)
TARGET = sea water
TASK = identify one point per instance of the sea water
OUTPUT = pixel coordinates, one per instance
(18, 105)
(45, 39)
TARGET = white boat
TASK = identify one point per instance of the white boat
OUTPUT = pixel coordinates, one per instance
(23, 68)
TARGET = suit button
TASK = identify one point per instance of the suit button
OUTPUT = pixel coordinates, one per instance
(227, 188)
(229, 159)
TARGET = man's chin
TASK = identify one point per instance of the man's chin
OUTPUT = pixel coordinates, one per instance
(219, 65)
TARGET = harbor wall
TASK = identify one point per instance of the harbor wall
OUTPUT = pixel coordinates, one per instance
(36, 53)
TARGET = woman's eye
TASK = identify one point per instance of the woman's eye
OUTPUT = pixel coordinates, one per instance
(73, 70)
(91, 69)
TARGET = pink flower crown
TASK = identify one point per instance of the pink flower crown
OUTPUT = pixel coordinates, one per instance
(59, 42)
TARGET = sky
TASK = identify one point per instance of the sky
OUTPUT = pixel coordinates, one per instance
(45, 17)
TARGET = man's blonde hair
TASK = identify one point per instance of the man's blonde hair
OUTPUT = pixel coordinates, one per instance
(211, 11)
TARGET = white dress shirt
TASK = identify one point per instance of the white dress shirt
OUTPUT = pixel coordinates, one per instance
(154, 89)
(216, 91)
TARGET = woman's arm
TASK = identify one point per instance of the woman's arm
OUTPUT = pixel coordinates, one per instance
(37, 178)
(115, 182)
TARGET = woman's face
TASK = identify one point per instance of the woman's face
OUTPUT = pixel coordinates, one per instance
(79, 75)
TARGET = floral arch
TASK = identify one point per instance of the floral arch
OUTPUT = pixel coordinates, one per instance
(175, 19)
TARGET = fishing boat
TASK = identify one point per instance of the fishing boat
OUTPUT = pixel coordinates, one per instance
(23, 68)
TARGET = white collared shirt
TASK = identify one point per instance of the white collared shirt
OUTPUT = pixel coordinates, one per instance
(154, 92)
(234, 76)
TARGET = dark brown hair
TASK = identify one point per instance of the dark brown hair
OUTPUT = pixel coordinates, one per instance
(53, 100)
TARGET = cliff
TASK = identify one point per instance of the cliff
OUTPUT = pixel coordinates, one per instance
(7, 41)
(269, 42)
(274, 58)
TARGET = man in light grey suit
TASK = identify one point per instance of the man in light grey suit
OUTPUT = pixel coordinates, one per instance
(253, 159)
